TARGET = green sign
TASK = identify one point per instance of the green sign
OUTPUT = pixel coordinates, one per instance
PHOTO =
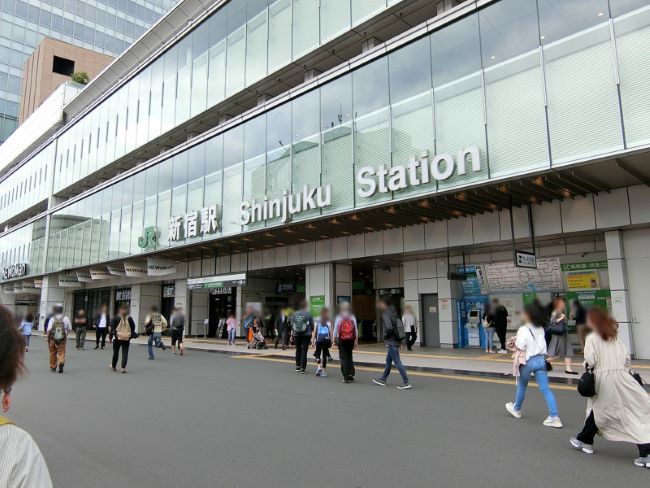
(582, 266)
(529, 298)
(316, 304)
(149, 239)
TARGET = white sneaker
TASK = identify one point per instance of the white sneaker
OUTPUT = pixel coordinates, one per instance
(510, 407)
(502, 351)
(581, 446)
(554, 422)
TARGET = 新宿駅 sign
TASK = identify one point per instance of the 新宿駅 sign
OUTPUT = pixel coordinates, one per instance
(204, 221)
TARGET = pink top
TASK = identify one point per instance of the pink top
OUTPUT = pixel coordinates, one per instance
(231, 323)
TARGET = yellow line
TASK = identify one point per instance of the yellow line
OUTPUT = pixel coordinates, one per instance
(417, 373)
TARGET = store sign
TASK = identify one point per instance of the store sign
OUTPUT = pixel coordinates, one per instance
(169, 291)
(525, 259)
(160, 267)
(135, 270)
(195, 223)
(123, 295)
(390, 292)
(116, 269)
(99, 274)
(14, 271)
(68, 280)
(221, 291)
(214, 282)
(419, 171)
(286, 206)
(149, 239)
(583, 266)
(84, 276)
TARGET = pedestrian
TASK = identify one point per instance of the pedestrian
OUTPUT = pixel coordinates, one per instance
(282, 329)
(231, 327)
(560, 345)
(21, 462)
(579, 316)
(620, 410)
(26, 327)
(247, 323)
(500, 324)
(80, 323)
(393, 336)
(57, 334)
(530, 349)
(321, 339)
(488, 328)
(122, 331)
(155, 324)
(302, 326)
(410, 327)
(102, 322)
(346, 338)
(177, 325)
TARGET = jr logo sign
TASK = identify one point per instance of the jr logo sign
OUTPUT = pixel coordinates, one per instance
(149, 239)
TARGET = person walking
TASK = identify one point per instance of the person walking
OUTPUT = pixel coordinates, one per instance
(102, 322)
(321, 339)
(247, 323)
(488, 328)
(21, 462)
(560, 345)
(579, 316)
(346, 338)
(231, 328)
(282, 329)
(58, 328)
(177, 325)
(302, 327)
(410, 327)
(80, 324)
(500, 324)
(620, 410)
(530, 350)
(26, 328)
(393, 336)
(155, 324)
(122, 331)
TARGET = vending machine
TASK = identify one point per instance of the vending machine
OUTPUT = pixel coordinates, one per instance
(470, 314)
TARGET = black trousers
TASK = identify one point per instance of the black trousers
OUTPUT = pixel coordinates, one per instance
(284, 336)
(411, 337)
(117, 345)
(345, 356)
(322, 352)
(590, 430)
(100, 334)
(302, 345)
(501, 334)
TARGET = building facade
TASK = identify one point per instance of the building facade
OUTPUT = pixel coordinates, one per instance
(104, 26)
(334, 151)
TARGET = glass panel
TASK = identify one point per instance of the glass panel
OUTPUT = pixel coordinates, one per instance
(199, 69)
(305, 26)
(143, 107)
(233, 147)
(184, 87)
(256, 48)
(278, 156)
(236, 61)
(125, 226)
(164, 181)
(217, 65)
(279, 34)
(632, 38)
(137, 219)
(255, 165)
(516, 117)
(620, 7)
(169, 91)
(132, 119)
(156, 104)
(334, 18)
(362, 9)
(213, 174)
(584, 118)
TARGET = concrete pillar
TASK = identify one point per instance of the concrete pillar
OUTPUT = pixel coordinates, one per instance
(148, 295)
(319, 280)
(618, 285)
(200, 302)
(8, 300)
(448, 295)
(342, 282)
(51, 294)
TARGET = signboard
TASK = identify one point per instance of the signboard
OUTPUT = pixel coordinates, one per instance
(14, 271)
(222, 281)
(134, 269)
(390, 292)
(149, 239)
(116, 269)
(343, 299)
(525, 259)
(286, 206)
(168, 291)
(68, 279)
(474, 284)
(123, 295)
(584, 266)
(599, 298)
(508, 278)
(583, 280)
(194, 223)
(221, 291)
(99, 274)
(160, 267)
(84, 276)
(316, 304)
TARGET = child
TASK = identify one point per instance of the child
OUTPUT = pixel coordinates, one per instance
(322, 339)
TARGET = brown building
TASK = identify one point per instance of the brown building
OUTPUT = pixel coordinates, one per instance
(51, 64)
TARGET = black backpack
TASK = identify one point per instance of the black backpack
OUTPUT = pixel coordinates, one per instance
(587, 383)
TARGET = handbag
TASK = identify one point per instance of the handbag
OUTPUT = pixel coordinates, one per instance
(587, 383)
(637, 377)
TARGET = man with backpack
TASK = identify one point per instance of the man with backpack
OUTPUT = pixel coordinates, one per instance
(302, 326)
(122, 331)
(393, 336)
(57, 328)
(346, 337)
(154, 325)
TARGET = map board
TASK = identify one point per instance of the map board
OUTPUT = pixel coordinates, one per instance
(508, 278)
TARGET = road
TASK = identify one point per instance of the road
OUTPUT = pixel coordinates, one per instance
(206, 420)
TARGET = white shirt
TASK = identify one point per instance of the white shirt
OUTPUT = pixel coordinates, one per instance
(531, 339)
(102, 321)
(409, 322)
(21, 462)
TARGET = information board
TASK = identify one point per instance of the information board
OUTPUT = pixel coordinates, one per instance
(508, 278)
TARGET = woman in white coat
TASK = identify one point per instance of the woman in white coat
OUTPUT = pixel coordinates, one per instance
(620, 410)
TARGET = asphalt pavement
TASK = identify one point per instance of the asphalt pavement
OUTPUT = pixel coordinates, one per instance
(218, 420)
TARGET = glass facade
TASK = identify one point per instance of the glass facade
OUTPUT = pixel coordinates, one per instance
(502, 79)
(25, 246)
(106, 26)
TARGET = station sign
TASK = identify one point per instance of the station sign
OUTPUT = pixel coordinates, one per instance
(524, 259)
(194, 223)
(14, 271)
(286, 206)
(214, 282)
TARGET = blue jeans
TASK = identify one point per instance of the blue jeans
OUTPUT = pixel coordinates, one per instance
(155, 338)
(536, 365)
(392, 356)
(489, 338)
(231, 336)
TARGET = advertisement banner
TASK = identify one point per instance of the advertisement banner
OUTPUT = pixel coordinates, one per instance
(582, 280)
(116, 269)
(68, 280)
(84, 276)
(316, 304)
(99, 274)
(135, 269)
(160, 267)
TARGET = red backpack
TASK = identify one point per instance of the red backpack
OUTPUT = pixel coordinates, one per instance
(346, 330)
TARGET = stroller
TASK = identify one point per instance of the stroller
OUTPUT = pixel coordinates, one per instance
(258, 341)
